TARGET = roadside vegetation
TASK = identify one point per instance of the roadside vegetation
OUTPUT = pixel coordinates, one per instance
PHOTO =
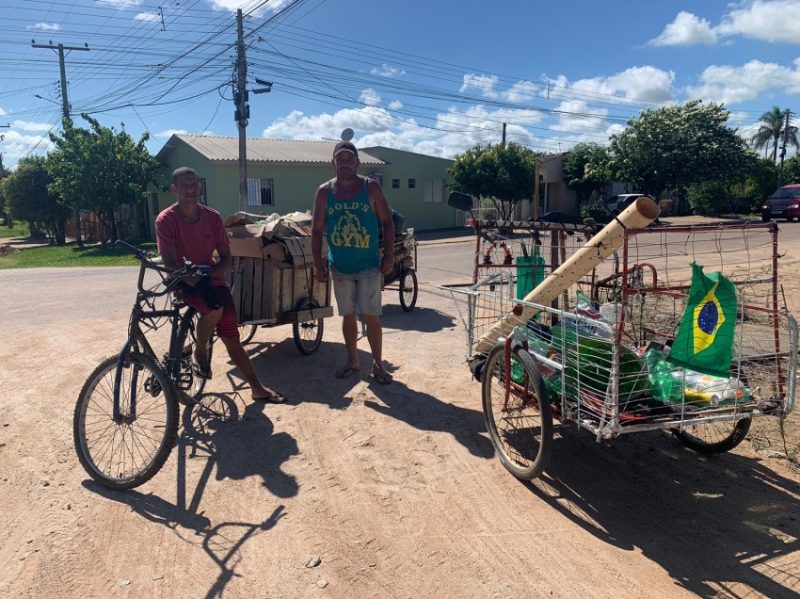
(69, 255)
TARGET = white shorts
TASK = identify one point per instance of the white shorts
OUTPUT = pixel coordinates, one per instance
(359, 293)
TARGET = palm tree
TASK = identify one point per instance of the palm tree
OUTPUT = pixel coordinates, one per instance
(771, 131)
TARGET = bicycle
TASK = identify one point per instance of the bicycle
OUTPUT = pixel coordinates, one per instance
(126, 419)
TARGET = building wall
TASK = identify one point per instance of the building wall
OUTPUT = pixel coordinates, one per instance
(296, 184)
(410, 202)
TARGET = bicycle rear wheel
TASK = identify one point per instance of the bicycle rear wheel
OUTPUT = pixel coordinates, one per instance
(127, 451)
(520, 425)
(714, 437)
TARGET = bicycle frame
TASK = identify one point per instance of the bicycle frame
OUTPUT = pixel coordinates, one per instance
(137, 340)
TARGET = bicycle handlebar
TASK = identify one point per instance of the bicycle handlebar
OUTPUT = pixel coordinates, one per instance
(172, 278)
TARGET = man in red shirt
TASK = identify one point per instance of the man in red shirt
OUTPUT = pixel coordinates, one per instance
(188, 230)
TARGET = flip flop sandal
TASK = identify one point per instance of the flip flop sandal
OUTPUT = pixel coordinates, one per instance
(381, 376)
(272, 398)
(345, 372)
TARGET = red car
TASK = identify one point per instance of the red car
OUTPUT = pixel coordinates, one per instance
(784, 203)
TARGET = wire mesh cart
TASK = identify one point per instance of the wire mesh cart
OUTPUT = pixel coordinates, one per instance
(605, 354)
(403, 277)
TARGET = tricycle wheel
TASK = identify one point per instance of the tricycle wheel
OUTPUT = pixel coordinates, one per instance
(408, 289)
(307, 335)
(247, 332)
(521, 425)
(714, 437)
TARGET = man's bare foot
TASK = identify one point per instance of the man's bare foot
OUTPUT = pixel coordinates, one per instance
(267, 395)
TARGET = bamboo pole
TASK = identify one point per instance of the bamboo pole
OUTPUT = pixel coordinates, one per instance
(636, 216)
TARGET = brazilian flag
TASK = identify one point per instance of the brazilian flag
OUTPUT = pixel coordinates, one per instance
(704, 342)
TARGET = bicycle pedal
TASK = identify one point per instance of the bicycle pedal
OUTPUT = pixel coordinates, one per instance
(152, 386)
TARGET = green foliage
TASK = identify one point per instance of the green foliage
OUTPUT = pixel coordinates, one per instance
(594, 208)
(771, 131)
(504, 174)
(28, 198)
(70, 255)
(100, 169)
(709, 197)
(17, 229)
(677, 146)
(587, 169)
(791, 170)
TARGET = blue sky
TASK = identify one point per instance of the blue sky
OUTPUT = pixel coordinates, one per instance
(434, 77)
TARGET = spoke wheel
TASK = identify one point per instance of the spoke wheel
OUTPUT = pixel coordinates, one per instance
(408, 289)
(307, 335)
(247, 332)
(520, 427)
(714, 437)
(128, 451)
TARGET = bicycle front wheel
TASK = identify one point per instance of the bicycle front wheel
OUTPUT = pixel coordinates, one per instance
(517, 411)
(125, 450)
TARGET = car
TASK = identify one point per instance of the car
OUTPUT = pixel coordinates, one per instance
(784, 203)
(619, 202)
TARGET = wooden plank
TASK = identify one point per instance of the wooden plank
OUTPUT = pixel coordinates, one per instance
(268, 293)
(258, 277)
(247, 289)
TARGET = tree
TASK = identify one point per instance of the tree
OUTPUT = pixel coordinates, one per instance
(771, 131)
(100, 169)
(676, 146)
(28, 198)
(791, 171)
(587, 169)
(504, 174)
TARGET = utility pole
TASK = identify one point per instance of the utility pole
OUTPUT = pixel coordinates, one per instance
(64, 99)
(785, 135)
(242, 113)
(504, 135)
(66, 120)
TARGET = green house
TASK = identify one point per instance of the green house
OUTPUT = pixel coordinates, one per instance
(283, 175)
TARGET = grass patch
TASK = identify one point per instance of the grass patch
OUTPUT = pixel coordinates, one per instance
(20, 229)
(71, 255)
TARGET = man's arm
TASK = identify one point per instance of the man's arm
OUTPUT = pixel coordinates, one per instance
(220, 269)
(318, 232)
(381, 208)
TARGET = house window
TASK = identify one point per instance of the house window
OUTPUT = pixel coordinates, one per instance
(378, 177)
(412, 183)
(260, 192)
(203, 196)
(434, 191)
(395, 183)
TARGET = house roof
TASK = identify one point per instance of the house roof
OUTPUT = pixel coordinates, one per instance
(259, 149)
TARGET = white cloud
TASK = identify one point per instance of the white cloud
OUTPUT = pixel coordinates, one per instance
(577, 117)
(123, 4)
(370, 97)
(766, 20)
(363, 121)
(482, 83)
(146, 16)
(167, 133)
(731, 84)
(31, 126)
(686, 30)
(636, 84)
(3, 112)
(44, 26)
(773, 21)
(232, 5)
(521, 91)
(395, 105)
(16, 145)
(386, 70)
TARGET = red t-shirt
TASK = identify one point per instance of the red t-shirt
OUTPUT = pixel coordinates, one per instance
(195, 242)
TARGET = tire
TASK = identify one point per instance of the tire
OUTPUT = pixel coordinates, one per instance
(126, 453)
(190, 383)
(714, 437)
(247, 332)
(522, 431)
(408, 289)
(765, 218)
(307, 335)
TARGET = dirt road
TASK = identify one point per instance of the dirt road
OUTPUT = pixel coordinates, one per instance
(358, 490)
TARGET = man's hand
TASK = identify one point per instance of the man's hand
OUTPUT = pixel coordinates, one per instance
(387, 263)
(321, 272)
